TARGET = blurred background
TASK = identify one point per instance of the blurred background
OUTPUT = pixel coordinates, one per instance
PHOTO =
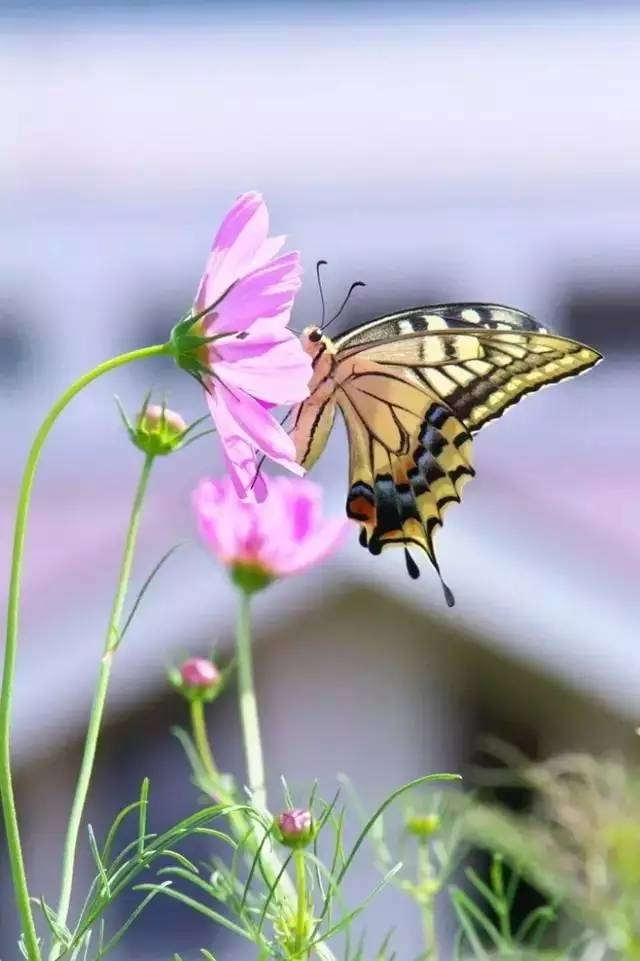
(437, 151)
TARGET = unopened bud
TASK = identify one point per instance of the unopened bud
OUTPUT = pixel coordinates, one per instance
(296, 827)
(423, 825)
(157, 430)
(198, 679)
(156, 416)
(199, 672)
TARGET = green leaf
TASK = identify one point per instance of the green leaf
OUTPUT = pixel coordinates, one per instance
(426, 779)
(462, 901)
(98, 860)
(143, 590)
(254, 864)
(142, 814)
(272, 890)
(113, 941)
(354, 914)
(60, 931)
(113, 830)
(197, 906)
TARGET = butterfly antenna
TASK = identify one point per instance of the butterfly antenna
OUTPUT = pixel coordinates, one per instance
(357, 283)
(321, 263)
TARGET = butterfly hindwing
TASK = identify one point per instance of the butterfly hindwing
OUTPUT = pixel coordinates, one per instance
(410, 457)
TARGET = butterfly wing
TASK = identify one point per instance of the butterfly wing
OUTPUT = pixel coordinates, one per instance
(409, 458)
(311, 428)
(412, 387)
(440, 317)
(479, 358)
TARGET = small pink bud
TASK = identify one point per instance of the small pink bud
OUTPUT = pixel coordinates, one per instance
(199, 672)
(156, 415)
(296, 826)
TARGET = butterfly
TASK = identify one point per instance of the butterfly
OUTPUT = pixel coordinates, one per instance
(413, 388)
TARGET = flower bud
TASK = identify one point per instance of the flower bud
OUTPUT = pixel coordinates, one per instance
(296, 827)
(155, 416)
(199, 672)
(198, 679)
(423, 826)
(158, 430)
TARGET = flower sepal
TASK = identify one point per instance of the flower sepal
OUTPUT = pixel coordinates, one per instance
(251, 578)
(188, 345)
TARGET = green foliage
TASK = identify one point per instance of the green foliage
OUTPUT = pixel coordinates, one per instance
(487, 918)
(580, 846)
(86, 939)
(253, 896)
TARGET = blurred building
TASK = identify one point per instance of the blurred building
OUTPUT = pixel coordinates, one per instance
(437, 151)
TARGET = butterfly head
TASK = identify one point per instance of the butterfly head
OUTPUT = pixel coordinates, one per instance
(315, 342)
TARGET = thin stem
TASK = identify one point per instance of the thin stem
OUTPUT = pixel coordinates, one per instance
(201, 740)
(301, 912)
(425, 874)
(248, 704)
(14, 846)
(100, 695)
(271, 863)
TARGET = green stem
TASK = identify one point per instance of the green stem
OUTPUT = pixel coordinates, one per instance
(14, 846)
(248, 704)
(429, 908)
(255, 761)
(201, 740)
(301, 892)
(100, 695)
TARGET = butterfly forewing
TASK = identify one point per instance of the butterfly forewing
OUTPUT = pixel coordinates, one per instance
(420, 320)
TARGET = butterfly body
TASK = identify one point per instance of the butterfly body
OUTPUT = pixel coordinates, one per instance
(413, 388)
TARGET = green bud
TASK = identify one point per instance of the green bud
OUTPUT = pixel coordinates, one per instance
(423, 826)
(157, 431)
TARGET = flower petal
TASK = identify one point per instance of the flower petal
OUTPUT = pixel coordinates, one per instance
(237, 449)
(238, 244)
(278, 373)
(259, 426)
(268, 291)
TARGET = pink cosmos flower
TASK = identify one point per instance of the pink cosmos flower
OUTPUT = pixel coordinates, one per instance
(250, 361)
(262, 541)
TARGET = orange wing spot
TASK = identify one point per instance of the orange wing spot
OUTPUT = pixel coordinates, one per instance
(361, 510)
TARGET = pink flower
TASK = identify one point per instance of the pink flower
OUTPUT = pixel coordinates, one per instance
(241, 348)
(262, 541)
